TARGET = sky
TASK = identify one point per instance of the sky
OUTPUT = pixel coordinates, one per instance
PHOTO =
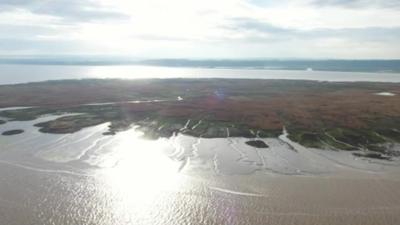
(315, 29)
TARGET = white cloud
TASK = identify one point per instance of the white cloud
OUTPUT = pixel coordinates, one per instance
(208, 28)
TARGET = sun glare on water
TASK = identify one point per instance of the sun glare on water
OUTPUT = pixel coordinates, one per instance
(143, 170)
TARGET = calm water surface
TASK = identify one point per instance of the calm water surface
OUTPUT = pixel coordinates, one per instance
(30, 73)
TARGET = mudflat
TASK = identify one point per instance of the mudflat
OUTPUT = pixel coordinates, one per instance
(46, 198)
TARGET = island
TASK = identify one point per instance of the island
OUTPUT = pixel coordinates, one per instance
(347, 116)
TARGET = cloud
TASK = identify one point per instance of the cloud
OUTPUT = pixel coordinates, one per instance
(358, 3)
(260, 31)
(207, 28)
(72, 10)
(24, 46)
(24, 31)
(256, 25)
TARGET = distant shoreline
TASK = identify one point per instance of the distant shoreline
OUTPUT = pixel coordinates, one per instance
(334, 65)
(17, 74)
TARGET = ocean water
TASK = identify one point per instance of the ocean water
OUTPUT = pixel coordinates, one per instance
(11, 74)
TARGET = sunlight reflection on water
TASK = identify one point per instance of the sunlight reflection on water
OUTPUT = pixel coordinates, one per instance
(143, 174)
(145, 161)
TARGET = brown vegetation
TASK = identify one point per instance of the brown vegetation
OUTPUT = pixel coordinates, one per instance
(316, 114)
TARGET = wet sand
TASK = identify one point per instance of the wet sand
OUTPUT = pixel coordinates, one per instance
(86, 178)
(29, 197)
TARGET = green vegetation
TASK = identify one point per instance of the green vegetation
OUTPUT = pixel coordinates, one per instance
(26, 114)
(257, 144)
(69, 124)
(372, 155)
(12, 132)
